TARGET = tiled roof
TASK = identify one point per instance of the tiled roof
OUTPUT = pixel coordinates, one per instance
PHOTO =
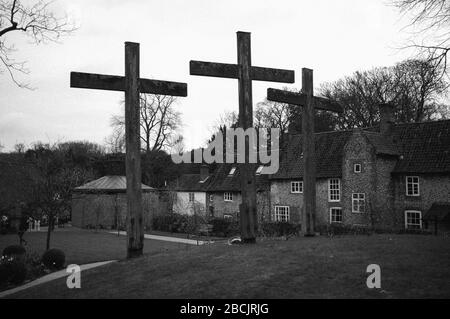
(419, 147)
(219, 181)
(424, 147)
(110, 183)
(191, 183)
(383, 145)
(439, 211)
(329, 151)
(223, 182)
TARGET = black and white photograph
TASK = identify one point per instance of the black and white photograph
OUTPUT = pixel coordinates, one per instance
(225, 155)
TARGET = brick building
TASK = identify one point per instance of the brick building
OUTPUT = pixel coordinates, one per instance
(390, 177)
(385, 178)
(217, 193)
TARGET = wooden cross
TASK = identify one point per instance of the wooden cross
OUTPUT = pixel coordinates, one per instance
(310, 103)
(132, 85)
(245, 73)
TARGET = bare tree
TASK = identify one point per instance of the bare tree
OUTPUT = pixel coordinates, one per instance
(20, 148)
(414, 87)
(429, 22)
(115, 143)
(270, 114)
(418, 89)
(52, 180)
(37, 22)
(159, 122)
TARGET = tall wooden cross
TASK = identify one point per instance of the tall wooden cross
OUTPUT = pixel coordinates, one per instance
(245, 73)
(310, 103)
(132, 85)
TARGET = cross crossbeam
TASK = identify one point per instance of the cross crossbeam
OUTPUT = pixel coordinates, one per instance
(310, 103)
(320, 103)
(231, 71)
(117, 83)
(245, 73)
(133, 86)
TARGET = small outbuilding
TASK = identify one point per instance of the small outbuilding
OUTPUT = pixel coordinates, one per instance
(437, 218)
(102, 203)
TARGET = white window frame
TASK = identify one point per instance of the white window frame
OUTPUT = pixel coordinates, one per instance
(277, 214)
(228, 196)
(358, 197)
(414, 212)
(338, 190)
(191, 197)
(298, 189)
(331, 215)
(355, 166)
(412, 182)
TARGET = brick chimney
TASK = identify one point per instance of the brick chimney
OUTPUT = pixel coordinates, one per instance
(204, 172)
(386, 118)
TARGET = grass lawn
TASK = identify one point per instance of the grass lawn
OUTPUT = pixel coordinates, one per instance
(84, 246)
(411, 266)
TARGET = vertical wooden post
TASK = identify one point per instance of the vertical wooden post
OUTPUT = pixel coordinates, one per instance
(135, 227)
(309, 167)
(435, 225)
(248, 213)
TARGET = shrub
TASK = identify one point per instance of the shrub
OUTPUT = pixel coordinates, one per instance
(15, 251)
(54, 259)
(278, 229)
(224, 227)
(12, 271)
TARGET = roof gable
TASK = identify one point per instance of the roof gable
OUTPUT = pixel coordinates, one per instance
(424, 147)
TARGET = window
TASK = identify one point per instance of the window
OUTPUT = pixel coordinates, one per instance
(412, 186)
(336, 215)
(296, 187)
(413, 219)
(232, 171)
(281, 214)
(259, 170)
(191, 197)
(334, 190)
(357, 168)
(206, 178)
(228, 197)
(358, 203)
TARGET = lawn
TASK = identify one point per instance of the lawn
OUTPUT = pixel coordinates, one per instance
(85, 246)
(412, 266)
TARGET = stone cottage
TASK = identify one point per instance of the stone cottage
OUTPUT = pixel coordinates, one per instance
(386, 178)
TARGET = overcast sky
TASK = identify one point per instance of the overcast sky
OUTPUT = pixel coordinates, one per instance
(335, 38)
